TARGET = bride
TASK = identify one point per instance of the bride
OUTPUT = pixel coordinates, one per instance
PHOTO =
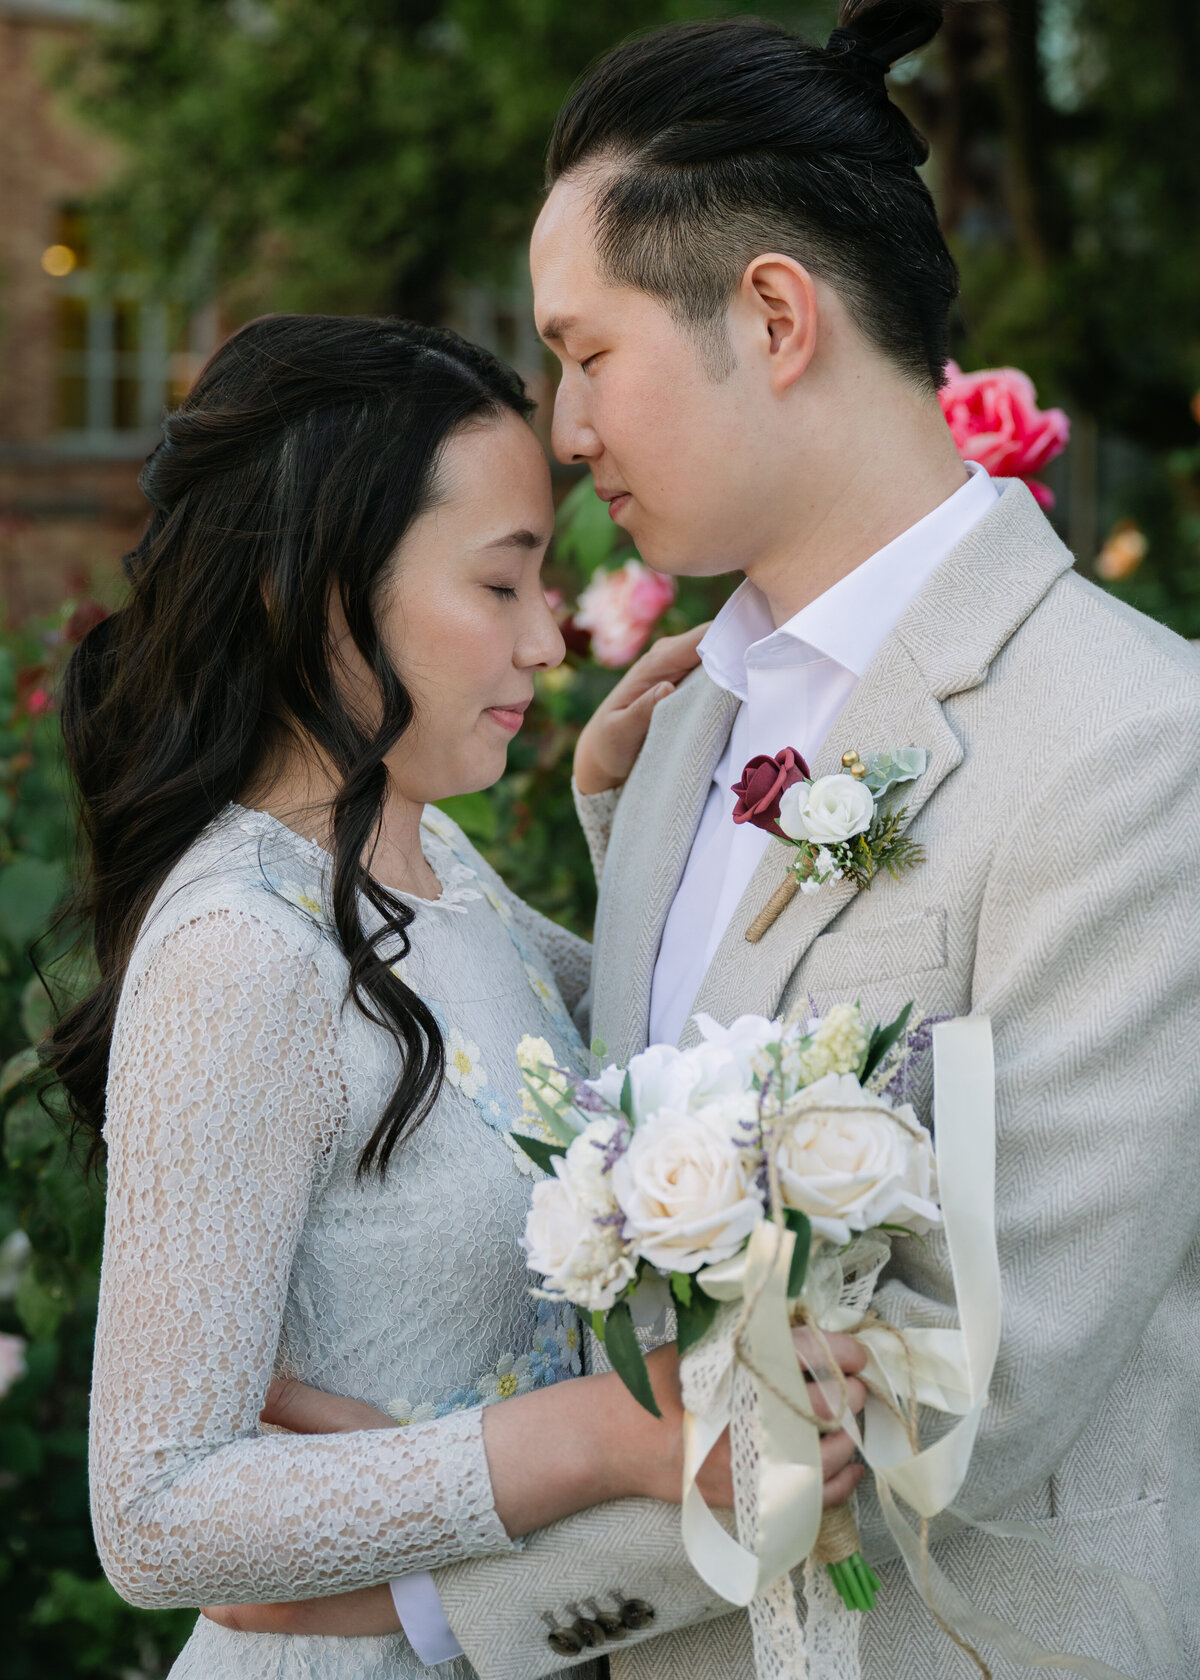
(301, 1049)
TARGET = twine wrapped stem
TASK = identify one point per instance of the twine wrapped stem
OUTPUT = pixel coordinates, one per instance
(773, 909)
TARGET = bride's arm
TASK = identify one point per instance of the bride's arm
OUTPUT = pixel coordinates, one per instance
(225, 1097)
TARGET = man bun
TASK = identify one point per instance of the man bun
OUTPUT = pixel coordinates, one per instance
(885, 31)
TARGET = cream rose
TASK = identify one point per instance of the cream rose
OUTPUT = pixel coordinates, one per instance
(581, 1259)
(850, 1161)
(687, 1189)
(827, 811)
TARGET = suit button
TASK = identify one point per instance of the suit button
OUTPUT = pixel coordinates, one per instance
(590, 1632)
(614, 1627)
(635, 1613)
(565, 1642)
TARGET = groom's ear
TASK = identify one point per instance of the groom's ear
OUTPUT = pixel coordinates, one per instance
(778, 304)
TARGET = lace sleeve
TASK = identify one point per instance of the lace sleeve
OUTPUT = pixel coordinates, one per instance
(225, 1100)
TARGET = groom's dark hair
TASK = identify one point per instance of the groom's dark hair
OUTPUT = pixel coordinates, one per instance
(724, 140)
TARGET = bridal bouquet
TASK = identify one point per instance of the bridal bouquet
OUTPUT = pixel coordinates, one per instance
(758, 1179)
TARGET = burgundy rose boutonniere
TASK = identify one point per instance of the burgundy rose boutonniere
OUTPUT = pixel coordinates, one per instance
(764, 782)
(837, 827)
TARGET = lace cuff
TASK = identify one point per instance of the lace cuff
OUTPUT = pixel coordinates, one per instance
(596, 812)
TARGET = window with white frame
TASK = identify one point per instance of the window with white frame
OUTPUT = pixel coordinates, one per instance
(123, 353)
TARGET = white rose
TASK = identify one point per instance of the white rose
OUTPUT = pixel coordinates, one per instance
(660, 1077)
(687, 1190)
(581, 1259)
(827, 811)
(850, 1161)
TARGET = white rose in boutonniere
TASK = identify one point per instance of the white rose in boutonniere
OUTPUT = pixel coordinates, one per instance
(687, 1188)
(827, 811)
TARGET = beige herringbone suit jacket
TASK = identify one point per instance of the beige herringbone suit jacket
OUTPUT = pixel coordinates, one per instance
(1060, 814)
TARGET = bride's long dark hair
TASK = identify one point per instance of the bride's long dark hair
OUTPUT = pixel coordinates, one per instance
(307, 447)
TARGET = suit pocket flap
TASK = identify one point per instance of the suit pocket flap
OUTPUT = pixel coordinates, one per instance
(908, 945)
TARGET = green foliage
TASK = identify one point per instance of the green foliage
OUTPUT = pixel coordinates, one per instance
(61, 1616)
(800, 1226)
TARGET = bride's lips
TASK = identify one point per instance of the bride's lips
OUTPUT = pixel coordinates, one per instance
(510, 717)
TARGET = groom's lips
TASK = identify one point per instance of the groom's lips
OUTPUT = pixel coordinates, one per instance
(616, 500)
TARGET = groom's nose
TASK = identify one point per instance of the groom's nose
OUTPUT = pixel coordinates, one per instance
(572, 435)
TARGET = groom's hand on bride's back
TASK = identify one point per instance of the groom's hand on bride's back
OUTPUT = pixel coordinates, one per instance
(612, 738)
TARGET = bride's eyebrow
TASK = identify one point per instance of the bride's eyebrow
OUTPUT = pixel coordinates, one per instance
(518, 539)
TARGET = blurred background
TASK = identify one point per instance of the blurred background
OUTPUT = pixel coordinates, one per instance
(171, 168)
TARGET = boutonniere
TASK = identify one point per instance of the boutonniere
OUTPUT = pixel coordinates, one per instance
(840, 827)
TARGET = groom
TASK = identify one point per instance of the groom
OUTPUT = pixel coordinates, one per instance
(743, 277)
(742, 274)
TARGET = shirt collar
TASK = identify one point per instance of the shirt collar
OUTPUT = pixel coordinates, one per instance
(850, 621)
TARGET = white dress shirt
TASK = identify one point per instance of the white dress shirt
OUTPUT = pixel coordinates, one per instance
(793, 683)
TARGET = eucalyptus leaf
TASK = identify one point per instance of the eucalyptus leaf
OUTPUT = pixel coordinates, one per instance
(626, 1357)
(887, 770)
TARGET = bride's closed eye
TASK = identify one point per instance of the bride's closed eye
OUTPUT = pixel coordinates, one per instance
(505, 591)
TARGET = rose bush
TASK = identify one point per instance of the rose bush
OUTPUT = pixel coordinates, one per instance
(619, 610)
(850, 1161)
(995, 420)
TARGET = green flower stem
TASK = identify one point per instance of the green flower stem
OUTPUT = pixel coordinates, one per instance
(856, 1582)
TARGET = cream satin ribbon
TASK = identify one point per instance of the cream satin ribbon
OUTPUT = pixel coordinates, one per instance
(950, 1369)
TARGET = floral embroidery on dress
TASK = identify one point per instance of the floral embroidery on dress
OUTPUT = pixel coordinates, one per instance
(464, 1064)
(554, 1356)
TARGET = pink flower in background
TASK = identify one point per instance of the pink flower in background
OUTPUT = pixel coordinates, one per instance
(619, 609)
(995, 420)
(12, 1361)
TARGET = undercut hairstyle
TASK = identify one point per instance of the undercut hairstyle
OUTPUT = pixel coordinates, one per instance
(714, 143)
(291, 472)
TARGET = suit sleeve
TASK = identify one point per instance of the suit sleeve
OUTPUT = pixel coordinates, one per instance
(1088, 963)
(594, 1561)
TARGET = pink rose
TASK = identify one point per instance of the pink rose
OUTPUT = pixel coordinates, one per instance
(764, 782)
(995, 420)
(619, 609)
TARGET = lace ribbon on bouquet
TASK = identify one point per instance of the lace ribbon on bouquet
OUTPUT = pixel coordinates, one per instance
(744, 1374)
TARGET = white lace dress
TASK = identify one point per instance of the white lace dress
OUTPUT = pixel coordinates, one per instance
(240, 1242)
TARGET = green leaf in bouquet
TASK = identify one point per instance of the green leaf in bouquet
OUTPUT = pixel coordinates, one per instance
(626, 1357)
(800, 1226)
(693, 1316)
(599, 1049)
(559, 1129)
(540, 1153)
(627, 1097)
(681, 1288)
(882, 1040)
(598, 1327)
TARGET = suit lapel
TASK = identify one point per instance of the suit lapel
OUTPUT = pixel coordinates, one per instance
(943, 645)
(656, 822)
(891, 707)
